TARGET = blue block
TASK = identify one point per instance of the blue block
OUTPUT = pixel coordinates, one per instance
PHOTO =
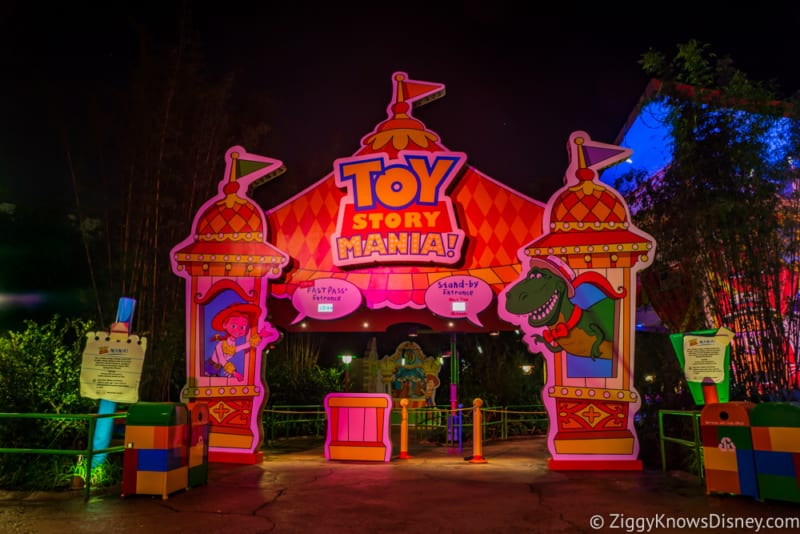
(774, 463)
(746, 467)
(162, 460)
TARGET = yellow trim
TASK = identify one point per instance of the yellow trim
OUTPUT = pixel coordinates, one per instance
(237, 441)
(212, 391)
(570, 392)
(358, 402)
(594, 446)
(349, 452)
(640, 247)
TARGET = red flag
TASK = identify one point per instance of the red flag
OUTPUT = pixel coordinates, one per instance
(415, 92)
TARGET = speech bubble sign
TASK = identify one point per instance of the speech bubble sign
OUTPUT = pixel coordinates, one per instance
(325, 299)
(458, 297)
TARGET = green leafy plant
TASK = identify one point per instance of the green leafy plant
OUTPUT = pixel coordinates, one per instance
(40, 373)
(724, 211)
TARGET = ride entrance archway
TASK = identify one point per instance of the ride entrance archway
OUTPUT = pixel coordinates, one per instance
(407, 231)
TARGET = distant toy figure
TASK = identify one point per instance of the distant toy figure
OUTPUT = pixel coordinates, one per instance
(235, 321)
(409, 377)
(431, 383)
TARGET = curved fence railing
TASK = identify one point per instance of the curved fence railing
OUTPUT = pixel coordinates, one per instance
(294, 420)
(438, 424)
(83, 456)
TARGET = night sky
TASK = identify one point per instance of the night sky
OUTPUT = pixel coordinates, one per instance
(520, 77)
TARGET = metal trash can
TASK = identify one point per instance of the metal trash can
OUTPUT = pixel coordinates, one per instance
(728, 448)
(198, 445)
(776, 449)
(156, 456)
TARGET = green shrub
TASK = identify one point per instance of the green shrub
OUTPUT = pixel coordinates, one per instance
(308, 388)
(40, 373)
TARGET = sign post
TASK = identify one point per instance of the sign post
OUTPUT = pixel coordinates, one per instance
(111, 371)
(705, 357)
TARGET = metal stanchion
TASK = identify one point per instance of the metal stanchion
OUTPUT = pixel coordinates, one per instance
(404, 429)
(477, 432)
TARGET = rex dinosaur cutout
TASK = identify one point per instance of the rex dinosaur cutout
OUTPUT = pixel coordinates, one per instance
(578, 315)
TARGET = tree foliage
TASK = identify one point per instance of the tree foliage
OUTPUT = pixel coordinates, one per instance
(490, 369)
(724, 213)
(40, 368)
(144, 152)
(293, 374)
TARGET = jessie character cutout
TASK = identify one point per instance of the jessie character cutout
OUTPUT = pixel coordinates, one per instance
(431, 383)
(235, 322)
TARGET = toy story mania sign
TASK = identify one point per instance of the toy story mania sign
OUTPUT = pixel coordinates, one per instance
(397, 210)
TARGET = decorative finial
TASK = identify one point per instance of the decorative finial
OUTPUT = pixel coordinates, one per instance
(583, 172)
(400, 96)
(581, 155)
(232, 188)
(234, 159)
(400, 107)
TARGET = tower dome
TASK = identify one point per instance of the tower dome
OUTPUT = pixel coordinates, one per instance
(231, 220)
(588, 224)
(230, 237)
(587, 206)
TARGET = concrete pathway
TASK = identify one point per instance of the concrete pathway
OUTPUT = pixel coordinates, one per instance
(435, 491)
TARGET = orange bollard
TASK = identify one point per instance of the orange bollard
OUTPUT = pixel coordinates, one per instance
(404, 429)
(477, 431)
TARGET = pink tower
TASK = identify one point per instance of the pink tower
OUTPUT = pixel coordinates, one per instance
(575, 301)
(226, 263)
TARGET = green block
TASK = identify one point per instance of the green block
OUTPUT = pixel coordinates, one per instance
(739, 435)
(157, 414)
(778, 487)
(786, 414)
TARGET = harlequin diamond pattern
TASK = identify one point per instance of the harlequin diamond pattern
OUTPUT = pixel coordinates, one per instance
(498, 222)
(219, 219)
(575, 205)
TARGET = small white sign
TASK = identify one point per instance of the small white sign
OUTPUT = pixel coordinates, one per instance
(112, 367)
(705, 358)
